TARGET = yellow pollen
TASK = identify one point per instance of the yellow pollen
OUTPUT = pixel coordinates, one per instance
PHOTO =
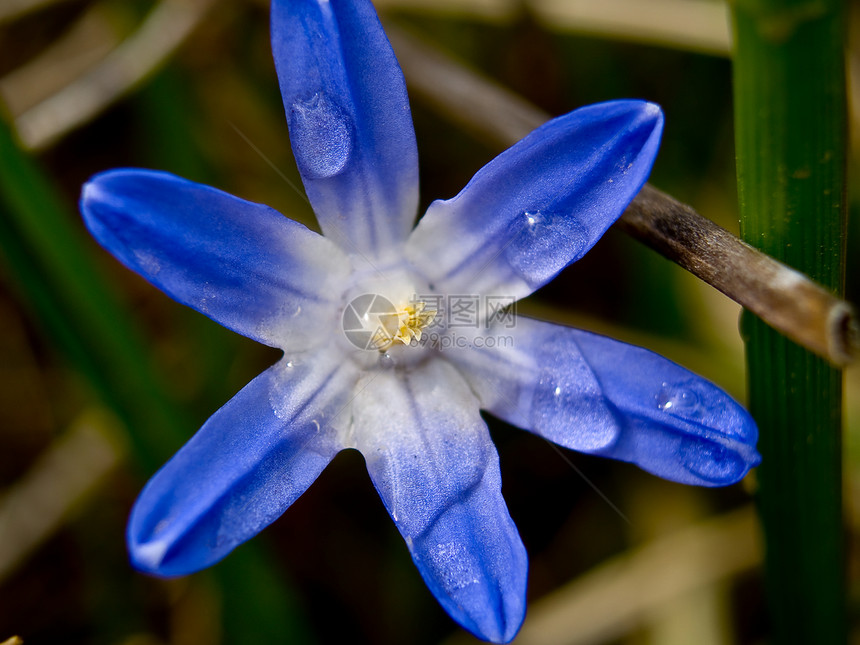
(403, 326)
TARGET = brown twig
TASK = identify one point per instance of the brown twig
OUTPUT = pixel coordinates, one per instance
(607, 602)
(689, 25)
(165, 28)
(65, 475)
(784, 298)
(82, 46)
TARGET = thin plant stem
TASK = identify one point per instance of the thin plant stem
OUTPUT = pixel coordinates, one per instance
(786, 299)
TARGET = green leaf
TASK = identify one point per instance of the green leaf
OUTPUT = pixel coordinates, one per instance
(789, 82)
(48, 256)
(51, 259)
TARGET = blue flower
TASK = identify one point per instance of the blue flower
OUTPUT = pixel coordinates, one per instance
(394, 338)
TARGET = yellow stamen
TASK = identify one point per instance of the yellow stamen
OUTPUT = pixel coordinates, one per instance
(403, 326)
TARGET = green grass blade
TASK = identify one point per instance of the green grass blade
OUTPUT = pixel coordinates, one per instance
(791, 136)
(48, 254)
(47, 257)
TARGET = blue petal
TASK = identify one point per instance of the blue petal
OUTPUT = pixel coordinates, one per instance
(245, 466)
(349, 119)
(242, 264)
(541, 204)
(601, 396)
(431, 459)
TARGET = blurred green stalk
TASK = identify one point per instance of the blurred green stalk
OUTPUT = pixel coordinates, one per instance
(789, 83)
(49, 261)
(48, 257)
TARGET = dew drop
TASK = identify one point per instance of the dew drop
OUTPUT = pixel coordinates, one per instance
(321, 134)
(568, 406)
(543, 243)
(679, 400)
(710, 461)
(559, 400)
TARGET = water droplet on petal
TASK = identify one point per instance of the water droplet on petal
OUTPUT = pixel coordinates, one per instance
(543, 243)
(711, 461)
(569, 414)
(321, 135)
(680, 400)
(568, 406)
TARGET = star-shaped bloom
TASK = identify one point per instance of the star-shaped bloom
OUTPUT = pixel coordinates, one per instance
(367, 317)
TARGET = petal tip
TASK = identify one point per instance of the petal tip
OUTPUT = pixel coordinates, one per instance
(101, 192)
(88, 190)
(651, 115)
(498, 624)
(91, 193)
(652, 110)
(94, 199)
(644, 116)
(148, 556)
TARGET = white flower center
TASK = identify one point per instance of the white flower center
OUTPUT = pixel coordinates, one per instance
(385, 316)
(404, 325)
